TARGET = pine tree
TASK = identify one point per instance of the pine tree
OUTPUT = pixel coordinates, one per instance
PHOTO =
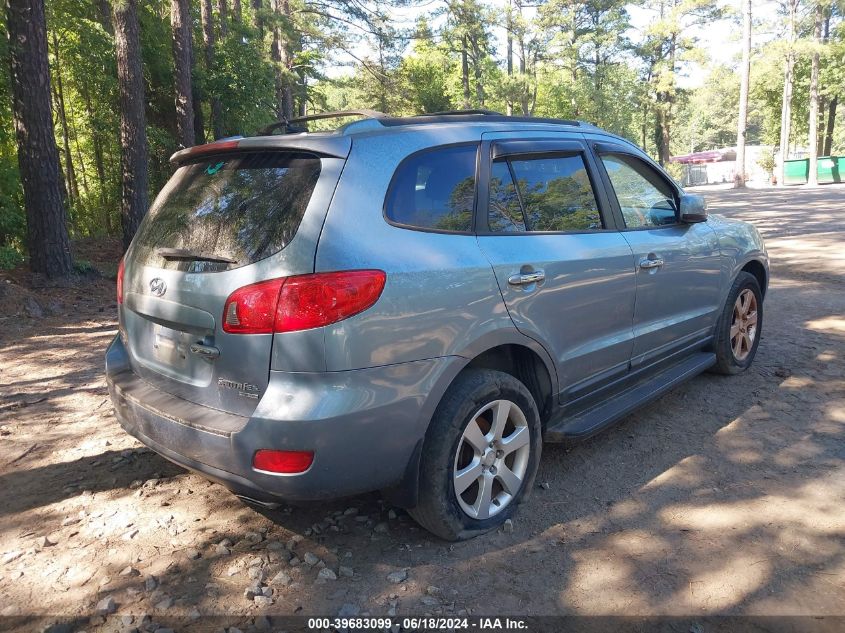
(180, 21)
(38, 157)
(133, 135)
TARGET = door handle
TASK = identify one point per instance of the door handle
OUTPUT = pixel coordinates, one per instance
(523, 279)
(206, 351)
(651, 263)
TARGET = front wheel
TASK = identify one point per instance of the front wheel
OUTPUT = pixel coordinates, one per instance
(480, 455)
(740, 326)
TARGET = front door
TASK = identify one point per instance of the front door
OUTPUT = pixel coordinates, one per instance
(565, 272)
(677, 265)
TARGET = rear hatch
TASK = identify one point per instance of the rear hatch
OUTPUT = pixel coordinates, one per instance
(224, 221)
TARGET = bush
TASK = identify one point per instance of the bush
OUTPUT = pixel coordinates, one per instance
(676, 170)
(767, 163)
(10, 258)
(85, 268)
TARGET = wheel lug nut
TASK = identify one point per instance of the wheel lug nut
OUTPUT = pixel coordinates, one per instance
(499, 454)
(492, 470)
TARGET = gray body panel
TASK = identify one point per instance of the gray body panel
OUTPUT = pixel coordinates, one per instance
(360, 393)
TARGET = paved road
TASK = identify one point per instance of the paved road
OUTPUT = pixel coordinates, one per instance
(726, 496)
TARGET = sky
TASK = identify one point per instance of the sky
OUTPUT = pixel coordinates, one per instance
(720, 39)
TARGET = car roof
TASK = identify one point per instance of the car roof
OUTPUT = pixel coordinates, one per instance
(338, 142)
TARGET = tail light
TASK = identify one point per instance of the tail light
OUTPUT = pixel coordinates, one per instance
(120, 268)
(303, 302)
(283, 462)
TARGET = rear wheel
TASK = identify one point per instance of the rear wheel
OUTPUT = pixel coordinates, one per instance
(740, 325)
(480, 455)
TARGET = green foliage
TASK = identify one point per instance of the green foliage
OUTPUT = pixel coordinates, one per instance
(767, 163)
(10, 258)
(676, 170)
(571, 59)
(84, 267)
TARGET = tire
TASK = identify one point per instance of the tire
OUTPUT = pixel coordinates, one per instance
(472, 404)
(728, 361)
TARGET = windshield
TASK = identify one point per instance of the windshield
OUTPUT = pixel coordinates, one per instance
(227, 211)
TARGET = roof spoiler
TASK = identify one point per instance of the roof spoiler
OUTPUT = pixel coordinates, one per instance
(290, 126)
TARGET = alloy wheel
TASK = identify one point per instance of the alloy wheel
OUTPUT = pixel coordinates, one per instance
(491, 459)
(744, 324)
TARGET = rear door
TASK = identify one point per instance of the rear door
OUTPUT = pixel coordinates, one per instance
(678, 265)
(565, 272)
(222, 222)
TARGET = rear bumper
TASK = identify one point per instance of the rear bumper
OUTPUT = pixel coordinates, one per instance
(364, 426)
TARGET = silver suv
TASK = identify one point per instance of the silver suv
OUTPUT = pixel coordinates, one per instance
(413, 305)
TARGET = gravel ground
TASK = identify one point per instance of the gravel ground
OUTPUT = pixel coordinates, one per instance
(723, 497)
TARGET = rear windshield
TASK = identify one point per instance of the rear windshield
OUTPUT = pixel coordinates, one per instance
(223, 212)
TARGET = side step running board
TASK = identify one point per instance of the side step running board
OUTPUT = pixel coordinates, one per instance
(600, 417)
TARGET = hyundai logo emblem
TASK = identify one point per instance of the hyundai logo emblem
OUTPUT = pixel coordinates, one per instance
(158, 287)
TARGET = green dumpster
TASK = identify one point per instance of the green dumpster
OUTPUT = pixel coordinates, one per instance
(829, 169)
(795, 172)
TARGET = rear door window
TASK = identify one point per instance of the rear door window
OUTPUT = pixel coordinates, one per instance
(555, 194)
(227, 211)
(435, 190)
(505, 211)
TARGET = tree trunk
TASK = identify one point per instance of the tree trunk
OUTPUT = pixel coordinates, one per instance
(199, 118)
(476, 68)
(208, 41)
(71, 186)
(739, 178)
(99, 163)
(509, 30)
(664, 113)
(104, 16)
(523, 71)
(279, 54)
(813, 178)
(822, 98)
(237, 11)
(786, 104)
(79, 159)
(831, 121)
(223, 16)
(465, 72)
(180, 23)
(133, 134)
(38, 157)
(257, 20)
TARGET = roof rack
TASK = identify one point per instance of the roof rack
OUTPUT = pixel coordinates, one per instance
(461, 112)
(290, 125)
(487, 116)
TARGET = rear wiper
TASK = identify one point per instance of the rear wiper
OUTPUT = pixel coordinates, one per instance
(183, 253)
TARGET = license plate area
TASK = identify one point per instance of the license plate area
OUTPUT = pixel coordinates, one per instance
(171, 347)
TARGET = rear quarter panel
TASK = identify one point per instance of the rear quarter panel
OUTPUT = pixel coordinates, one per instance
(440, 298)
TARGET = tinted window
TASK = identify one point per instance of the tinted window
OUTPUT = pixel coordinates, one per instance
(243, 207)
(556, 194)
(644, 197)
(505, 211)
(435, 190)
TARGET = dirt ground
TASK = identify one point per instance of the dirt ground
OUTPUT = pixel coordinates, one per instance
(723, 497)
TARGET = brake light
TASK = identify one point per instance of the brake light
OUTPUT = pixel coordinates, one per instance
(320, 299)
(303, 302)
(252, 309)
(120, 268)
(285, 462)
(212, 148)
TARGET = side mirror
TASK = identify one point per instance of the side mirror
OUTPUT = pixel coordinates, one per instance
(693, 208)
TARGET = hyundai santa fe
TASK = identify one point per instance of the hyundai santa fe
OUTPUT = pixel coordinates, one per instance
(413, 305)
